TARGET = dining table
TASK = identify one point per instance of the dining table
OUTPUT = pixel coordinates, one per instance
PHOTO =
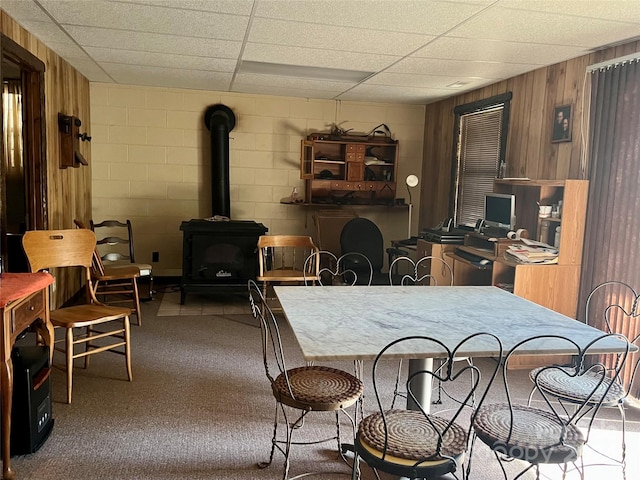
(337, 323)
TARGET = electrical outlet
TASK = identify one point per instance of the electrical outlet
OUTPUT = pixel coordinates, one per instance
(155, 257)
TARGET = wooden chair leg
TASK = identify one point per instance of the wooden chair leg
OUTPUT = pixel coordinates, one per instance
(136, 300)
(87, 347)
(127, 346)
(69, 355)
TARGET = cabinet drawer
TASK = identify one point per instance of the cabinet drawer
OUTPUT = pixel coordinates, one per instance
(29, 309)
(355, 148)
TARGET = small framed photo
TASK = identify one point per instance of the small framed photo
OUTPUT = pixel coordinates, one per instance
(561, 124)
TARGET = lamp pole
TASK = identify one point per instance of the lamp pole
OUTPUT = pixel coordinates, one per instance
(412, 182)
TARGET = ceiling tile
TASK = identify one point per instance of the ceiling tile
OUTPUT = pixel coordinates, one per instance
(459, 68)
(148, 18)
(497, 51)
(428, 17)
(153, 42)
(235, 7)
(423, 81)
(546, 28)
(176, 78)
(338, 39)
(379, 93)
(189, 62)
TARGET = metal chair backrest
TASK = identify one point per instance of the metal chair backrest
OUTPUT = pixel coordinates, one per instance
(337, 270)
(420, 272)
(593, 390)
(614, 307)
(461, 376)
(272, 352)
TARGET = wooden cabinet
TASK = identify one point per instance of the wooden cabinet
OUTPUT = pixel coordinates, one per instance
(554, 286)
(349, 172)
(436, 270)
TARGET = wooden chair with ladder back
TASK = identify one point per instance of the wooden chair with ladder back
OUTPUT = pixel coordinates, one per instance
(92, 325)
(116, 248)
(114, 284)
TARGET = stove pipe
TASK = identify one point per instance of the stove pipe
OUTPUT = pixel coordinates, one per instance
(220, 120)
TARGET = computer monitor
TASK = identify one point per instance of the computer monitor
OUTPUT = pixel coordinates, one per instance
(500, 210)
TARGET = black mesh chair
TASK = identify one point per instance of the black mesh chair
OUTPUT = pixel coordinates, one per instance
(361, 235)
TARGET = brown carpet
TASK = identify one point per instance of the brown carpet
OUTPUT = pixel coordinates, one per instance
(200, 407)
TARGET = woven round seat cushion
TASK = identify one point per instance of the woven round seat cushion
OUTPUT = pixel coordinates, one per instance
(318, 388)
(535, 437)
(411, 438)
(578, 388)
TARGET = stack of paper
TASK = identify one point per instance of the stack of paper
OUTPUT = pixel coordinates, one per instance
(538, 253)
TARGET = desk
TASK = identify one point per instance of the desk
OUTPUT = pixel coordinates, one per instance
(24, 299)
(347, 323)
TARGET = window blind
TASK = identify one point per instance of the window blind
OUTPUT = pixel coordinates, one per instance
(479, 153)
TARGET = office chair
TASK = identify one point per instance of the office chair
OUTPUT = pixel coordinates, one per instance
(361, 235)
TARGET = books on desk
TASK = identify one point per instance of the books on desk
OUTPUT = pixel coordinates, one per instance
(532, 252)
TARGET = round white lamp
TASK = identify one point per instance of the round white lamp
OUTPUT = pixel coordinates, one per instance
(412, 182)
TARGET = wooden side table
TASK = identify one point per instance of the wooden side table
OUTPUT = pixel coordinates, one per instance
(24, 300)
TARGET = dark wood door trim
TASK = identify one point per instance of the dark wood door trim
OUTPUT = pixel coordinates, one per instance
(34, 132)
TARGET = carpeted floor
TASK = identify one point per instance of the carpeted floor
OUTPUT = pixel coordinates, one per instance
(200, 407)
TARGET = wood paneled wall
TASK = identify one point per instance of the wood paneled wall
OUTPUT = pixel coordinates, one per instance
(68, 190)
(530, 152)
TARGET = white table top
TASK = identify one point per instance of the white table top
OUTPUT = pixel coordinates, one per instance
(346, 323)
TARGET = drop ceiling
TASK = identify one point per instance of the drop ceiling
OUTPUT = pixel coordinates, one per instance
(398, 51)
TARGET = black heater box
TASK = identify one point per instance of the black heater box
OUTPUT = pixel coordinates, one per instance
(31, 417)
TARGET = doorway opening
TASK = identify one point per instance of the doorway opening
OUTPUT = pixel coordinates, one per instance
(23, 160)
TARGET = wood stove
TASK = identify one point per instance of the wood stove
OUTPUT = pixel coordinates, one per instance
(218, 252)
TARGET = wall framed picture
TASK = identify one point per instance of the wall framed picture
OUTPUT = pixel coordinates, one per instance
(561, 124)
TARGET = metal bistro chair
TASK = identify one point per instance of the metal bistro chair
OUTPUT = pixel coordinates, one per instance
(547, 433)
(283, 259)
(337, 270)
(405, 271)
(415, 443)
(618, 304)
(46, 249)
(305, 389)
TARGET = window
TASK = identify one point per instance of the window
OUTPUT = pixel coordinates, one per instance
(481, 134)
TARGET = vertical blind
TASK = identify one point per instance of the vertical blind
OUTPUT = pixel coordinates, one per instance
(479, 146)
(612, 239)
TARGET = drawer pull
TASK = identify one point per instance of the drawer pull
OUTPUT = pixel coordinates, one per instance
(32, 308)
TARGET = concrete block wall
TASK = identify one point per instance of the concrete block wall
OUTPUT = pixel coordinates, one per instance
(151, 161)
